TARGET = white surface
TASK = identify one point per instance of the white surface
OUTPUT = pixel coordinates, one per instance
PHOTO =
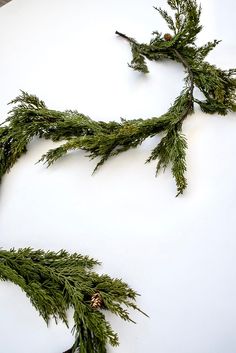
(178, 253)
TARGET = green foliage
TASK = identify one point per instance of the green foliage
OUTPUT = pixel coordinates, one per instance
(54, 282)
(57, 281)
(138, 62)
(171, 151)
(30, 117)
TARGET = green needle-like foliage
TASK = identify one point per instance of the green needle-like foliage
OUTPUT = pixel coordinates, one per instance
(30, 117)
(57, 281)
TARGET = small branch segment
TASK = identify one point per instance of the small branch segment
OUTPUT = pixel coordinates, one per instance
(125, 36)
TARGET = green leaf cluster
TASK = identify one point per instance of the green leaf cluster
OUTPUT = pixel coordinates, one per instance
(57, 281)
(30, 117)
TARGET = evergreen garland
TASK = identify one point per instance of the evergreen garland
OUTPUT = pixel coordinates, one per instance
(30, 117)
(57, 281)
(54, 281)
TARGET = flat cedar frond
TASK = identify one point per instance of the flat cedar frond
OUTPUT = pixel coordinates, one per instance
(56, 281)
(138, 62)
(167, 18)
(172, 151)
(30, 117)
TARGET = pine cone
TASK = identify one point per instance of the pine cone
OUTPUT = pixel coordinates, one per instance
(168, 37)
(96, 301)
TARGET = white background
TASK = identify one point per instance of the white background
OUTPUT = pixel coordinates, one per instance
(179, 254)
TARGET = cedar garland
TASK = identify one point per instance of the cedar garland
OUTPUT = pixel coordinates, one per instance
(30, 117)
(56, 281)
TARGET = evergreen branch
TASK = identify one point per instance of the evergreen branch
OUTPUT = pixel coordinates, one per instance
(30, 117)
(56, 281)
(172, 151)
(167, 18)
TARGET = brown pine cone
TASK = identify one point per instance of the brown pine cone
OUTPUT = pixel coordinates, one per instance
(96, 301)
(168, 37)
